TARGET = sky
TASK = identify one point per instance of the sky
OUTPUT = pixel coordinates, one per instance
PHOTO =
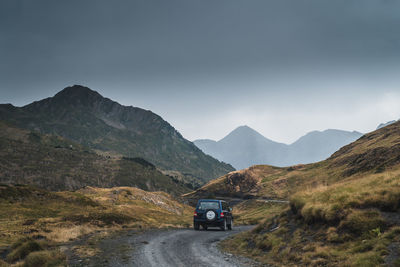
(282, 67)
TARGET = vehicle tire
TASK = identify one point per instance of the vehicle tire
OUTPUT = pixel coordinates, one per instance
(196, 226)
(230, 225)
(224, 227)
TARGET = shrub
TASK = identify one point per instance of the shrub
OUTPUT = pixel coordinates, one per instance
(361, 222)
(367, 259)
(296, 204)
(106, 218)
(21, 251)
(44, 258)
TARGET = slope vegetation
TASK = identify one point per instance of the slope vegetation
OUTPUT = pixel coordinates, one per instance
(54, 163)
(82, 115)
(344, 211)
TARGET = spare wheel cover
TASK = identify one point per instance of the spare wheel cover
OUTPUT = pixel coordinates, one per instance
(210, 215)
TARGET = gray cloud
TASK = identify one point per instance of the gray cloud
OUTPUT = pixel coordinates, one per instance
(197, 62)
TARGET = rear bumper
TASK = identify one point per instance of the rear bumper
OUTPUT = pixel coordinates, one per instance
(216, 223)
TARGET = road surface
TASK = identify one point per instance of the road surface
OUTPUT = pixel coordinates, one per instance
(167, 248)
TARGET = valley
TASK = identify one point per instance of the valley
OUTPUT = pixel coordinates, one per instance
(62, 198)
(342, 211)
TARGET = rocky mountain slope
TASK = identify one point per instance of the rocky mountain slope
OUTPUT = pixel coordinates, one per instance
(83, 115)
(244, 147)
(344, 211)
(55, 163)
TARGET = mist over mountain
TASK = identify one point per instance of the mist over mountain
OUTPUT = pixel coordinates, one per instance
(83, 115)
(244, 147)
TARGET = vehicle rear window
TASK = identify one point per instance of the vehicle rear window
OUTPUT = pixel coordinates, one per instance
(205, 205)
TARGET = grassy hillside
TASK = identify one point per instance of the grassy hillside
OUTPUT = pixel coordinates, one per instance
(54, 163)
(35, 221)
(344, 211)
(375, 152)
(80, 114)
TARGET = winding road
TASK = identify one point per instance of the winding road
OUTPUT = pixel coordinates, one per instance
(167, 248)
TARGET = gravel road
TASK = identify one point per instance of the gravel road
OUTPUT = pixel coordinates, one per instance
(164, 248)
(187, 248)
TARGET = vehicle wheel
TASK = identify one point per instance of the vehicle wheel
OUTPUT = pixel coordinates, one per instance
(196, 226)
(205, 227)
(230, 225)
(223, 227)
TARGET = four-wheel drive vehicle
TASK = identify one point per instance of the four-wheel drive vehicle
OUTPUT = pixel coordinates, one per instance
(212, 213)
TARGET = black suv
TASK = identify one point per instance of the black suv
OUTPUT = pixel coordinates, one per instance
(212, 213)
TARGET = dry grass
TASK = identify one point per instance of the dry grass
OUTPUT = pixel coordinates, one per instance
(256, 211)
(64, 216)
(343, 211)
(65, 234)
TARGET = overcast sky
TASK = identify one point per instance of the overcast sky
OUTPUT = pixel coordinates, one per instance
(282, 67)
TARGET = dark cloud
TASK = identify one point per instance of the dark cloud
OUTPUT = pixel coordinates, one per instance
(133, 49)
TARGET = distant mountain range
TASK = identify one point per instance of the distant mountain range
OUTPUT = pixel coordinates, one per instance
(385, 124)
(245, 147)
(84, 116)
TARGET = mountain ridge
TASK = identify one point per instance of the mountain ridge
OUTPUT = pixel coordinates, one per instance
(83, 115)
(244, 147)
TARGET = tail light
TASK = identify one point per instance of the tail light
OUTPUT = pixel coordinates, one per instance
(195, 214)
(222, 215)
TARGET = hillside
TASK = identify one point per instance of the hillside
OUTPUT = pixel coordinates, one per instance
(245, 147)
(35, 223)
(344, 211)
(373, 152)
(54, 163)
(83, 115)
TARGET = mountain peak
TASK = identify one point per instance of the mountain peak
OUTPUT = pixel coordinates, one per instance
(77, 91)
(78, 95)
(243, 131)
(244, 127)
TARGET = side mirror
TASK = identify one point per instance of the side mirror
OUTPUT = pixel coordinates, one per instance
(230, 209)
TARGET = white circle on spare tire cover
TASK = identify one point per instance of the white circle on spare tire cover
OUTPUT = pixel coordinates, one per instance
(210, 215)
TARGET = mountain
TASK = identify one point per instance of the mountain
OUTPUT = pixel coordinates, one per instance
(83, 115)
(55, 163)
(385, 124)
(343, 211)
(316, 146)
(244, 147)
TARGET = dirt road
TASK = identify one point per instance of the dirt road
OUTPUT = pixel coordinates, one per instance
(175, 247)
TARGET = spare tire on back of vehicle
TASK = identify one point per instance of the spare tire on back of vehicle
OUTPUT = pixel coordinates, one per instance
(211, 215)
